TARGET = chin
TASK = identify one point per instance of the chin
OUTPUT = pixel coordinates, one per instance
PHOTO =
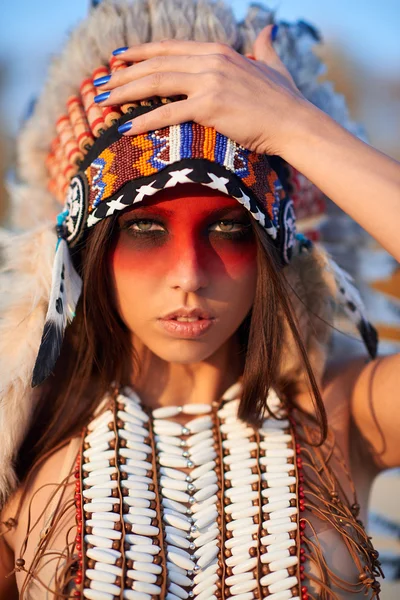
(184, 352)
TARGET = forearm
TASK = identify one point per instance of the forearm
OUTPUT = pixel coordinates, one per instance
(364, 182)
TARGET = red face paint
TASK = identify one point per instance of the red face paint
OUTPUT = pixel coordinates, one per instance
(188, 226)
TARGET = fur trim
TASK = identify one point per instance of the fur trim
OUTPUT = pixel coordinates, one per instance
(25, 282)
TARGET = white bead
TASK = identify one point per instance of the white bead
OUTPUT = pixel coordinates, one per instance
(178, 522)
(199, 424)
(274, 538)
(270, 556)
(198, 472)
(173, 473)
(145, 529)
(283, 584)
(275, 527)
(98, 541)
(198, 506)
(147, 588)
(104, 556)
(169, 448)
(132, 595)
(274, 493)
(196, 409)
(177, 506)
(96, 595)
(95, 465)
(104, 507)
(150, 567)
(101, 420)
(207, 557)
(285, 468)
(208, 594)
(238, 481)
(167, 427)
(170, 460)
(90, 452)
(206, 517)
(233, 492)
(283, 563)
(245, 566)
(266, 580)
(180, 561)
(151, 549)
(203, 585)
(247, 512)
(239, 578)
(177, 495)
(140, 556)
(100, 575)
(285, 512)
(134, 454)
(177, 540)
(232, 525)
(105, 516)
(206, 492)
(168, 439)
(205, 480)
(240, 474)
(111, 534)
(204, 538)
(275, 506)
(280, 482)
(245, 586)
(132, 484)
(245, 541)
(135, 410)
(141, 576)
(205, 573)
(178, 591)
(97, 493)
(164, 412)
(286, 595)
(205, 457)
(196, 438)
(201, 446)
(178, 578)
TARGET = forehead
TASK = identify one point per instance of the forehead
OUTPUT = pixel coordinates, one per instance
(193, 200)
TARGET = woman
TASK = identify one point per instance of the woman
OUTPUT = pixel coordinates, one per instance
(185, 436)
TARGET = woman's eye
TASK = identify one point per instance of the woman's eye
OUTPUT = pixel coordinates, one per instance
(229, 226)
(145, 225)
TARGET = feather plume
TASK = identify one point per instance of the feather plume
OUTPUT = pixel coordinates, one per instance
(350, 300)
(66, 289)
(25, 280)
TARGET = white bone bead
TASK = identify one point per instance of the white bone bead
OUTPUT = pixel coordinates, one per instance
(266, 580)
(169, 448)
(96, 479)
(103, 555)
(285, 468)
(170, 460)
(177, 495)
(206, 492)
(232, 525)
(177, 540)
(147, 588)
(274, 493)
(97, 493)
(239, 578)
(167, 427)
(173, 531)
(172, 568)
(104, 507)
(103, 419)
(106, 516)
(278, 554)
(137, 473)
(203, 585)
(240, 557)
(245, 566)
(240, 474)
(207, 572)
(275, 538)
(205, 518)
(132, 595)
(131, 484)
(196, 409)
(236, 506)
(136, 411)
(174, 484)
(164, 412)
(112, 534)
(239, 434)
(113, 569)
(131, 424)
(198, 472)
(128, 453)
(207, 557)
(137, 502)
(204, 538)
(195, 508)
(283, 584)
(180, 561)
(141, 576)
(176, 506)
(199, 424)
(285, 512)
(282, 545)
(139, 556)
(245, 596)
(249, 529)
(283, 563)
(203, 457)
(95, 465)
(271, 527)
(196, 438)
(275, 506)
(245, 541)
(279, 482)
(208, 594)
(96, 595)
(140, 464)
(145, 529)
(173, 473)
(178, 522)
(247, 512)
(93, 450)
(245, 586)
(234, 492)
(151, 549)
(205, 480)
(203, 445)
(238, 447)
(236, 480)
(169, 439)
(178, 591)
(100, 575)
(286, 595)
(98, 541)
(150, 567)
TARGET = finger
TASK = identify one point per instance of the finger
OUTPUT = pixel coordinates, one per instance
(173, 47)
(177, 64)
(264, 51)
(172, 113)
(156, 84)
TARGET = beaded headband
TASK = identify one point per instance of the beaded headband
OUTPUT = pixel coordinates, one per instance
(101, 176)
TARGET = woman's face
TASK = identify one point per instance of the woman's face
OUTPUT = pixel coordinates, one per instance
(186, 248)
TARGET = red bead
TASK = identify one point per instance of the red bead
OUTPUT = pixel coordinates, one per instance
(303, 525)
(302, 559)
(302, 551)
(78, 546)
(301, 494)
(304, 590)
(302, 576)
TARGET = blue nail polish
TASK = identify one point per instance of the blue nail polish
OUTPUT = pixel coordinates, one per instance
(120, 50)
(125, 127)
(274, 32)
(101, 80)
(102, 97)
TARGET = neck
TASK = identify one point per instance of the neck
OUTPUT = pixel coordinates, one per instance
(161, 383)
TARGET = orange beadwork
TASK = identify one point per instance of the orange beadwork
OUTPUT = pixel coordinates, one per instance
(80, 125)
(93, 111)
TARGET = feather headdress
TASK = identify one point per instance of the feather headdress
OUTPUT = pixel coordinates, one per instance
(38, 283)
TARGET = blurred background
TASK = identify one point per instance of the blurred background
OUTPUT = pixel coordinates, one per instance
(361, 48)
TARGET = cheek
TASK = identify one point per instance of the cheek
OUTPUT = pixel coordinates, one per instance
(128, 261)
(236, 259)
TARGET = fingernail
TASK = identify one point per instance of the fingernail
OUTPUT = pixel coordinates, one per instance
(102, 97)
(120, 50)
(125, 127)
(274, 32)
(101, 80)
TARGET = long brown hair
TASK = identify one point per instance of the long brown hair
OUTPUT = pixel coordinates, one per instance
(97, 350)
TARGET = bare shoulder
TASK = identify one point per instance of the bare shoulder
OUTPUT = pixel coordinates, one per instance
(37, 495)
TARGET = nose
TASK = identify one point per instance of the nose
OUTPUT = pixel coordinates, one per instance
(188, 268)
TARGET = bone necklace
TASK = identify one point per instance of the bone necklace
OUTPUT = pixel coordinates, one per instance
(205, 510)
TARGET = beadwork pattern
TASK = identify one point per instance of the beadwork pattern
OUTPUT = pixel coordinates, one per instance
(203, 510)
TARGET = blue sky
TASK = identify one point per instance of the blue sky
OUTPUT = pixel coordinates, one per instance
(31, 31)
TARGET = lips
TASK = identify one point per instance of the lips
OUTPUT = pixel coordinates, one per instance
(187, 323)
